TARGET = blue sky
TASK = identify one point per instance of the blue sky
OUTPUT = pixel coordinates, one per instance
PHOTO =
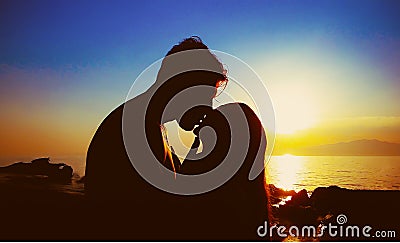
(67, 64)
(59, 33)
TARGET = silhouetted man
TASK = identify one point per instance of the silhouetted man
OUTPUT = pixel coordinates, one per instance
(124, 205)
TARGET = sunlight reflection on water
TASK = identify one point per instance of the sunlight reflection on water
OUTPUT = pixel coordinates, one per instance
(354, 172)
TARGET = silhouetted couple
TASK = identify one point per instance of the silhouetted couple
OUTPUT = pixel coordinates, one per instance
(138, 189)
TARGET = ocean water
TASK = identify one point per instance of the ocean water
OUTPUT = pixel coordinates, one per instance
(354, 172)
(296, 172)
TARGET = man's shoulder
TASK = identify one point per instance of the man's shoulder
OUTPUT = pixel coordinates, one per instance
(131, 106)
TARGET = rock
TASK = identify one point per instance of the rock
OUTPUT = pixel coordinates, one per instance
(331, 199)
(278, 192)
(300, 199)
(41, 167)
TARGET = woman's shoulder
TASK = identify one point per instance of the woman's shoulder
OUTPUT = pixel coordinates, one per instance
(237, 107)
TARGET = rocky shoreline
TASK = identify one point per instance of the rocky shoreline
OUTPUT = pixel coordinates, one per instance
(40, 167)
(375, 208)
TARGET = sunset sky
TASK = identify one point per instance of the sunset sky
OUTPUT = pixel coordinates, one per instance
(332, 67)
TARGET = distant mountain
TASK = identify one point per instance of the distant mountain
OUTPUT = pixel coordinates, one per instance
(358, 147)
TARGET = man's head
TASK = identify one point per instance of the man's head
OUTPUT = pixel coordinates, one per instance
(191, 63)
(192, 73)
(191, 43)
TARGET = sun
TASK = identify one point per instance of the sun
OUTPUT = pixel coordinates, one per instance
(295, 109)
